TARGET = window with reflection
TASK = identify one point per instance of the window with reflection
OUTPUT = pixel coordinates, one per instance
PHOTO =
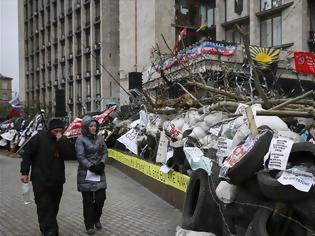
(269, 4)
(271, 31)
(194, 13)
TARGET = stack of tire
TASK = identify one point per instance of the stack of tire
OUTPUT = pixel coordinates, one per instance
(261, 206)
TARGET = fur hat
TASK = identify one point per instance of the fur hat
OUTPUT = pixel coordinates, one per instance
(55, 123)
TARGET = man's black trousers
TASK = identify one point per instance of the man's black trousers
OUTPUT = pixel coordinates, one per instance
(47, 199)
(93, 203)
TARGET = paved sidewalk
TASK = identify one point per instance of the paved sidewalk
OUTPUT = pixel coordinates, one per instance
(130, 209)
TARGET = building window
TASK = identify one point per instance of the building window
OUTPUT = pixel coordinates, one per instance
(69, 4)
(62, 71)
(88, 88)
(232, 35)
(70, 25)
(62, 7)
(271, 31)
(79, 19)
(70, 45)
(98, 86)
(70, 69)
(268, 4)
(88, 63)
(97, 60)
(62, 28)
(97, 34)
(87, 38)
(97, 8)
(71, 91)
(194, 13)
(5, 85)
(79, 88)
(79, 66)
(87, 15)
(63, 50)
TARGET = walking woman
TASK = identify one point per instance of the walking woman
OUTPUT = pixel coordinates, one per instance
(91, 153)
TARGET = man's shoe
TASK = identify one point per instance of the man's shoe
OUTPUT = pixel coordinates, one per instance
(98, 226)
(90, 231)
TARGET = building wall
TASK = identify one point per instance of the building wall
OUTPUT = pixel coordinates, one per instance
(294, 19)
(141, 23)
(110, 56)
(5, 89)
(230, 13)
(75, 69)
(127, 47)
(21, 43)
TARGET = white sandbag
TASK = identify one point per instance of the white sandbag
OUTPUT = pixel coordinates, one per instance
(185, 127)
(291, 135)
(192, 117)
(241, 133)
(203, 125)
(179, 123)
(207, 140)
(226, 192)
(215, 117)
(198, 133)
(274, 122)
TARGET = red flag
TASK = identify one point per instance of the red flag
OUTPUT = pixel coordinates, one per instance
(304, 62)
(181, 35)
(74, 129)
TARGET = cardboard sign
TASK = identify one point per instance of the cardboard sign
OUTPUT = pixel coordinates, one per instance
(161, 155)
(129, 139)
(215, 130)
(300, 180)
(224, 148)
(279, 150)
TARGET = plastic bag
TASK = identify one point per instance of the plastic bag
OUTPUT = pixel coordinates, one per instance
(26, 193)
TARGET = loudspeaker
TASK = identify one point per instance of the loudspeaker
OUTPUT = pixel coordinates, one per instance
(60, 103)
(135, 80)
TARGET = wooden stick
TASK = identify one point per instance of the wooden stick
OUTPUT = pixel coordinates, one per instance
(218, 91)
(286, 113)
(292, 100)
(192, 96)
(251, 121)
(256, 77)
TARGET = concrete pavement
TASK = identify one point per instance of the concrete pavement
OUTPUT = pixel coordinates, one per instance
(130, 209)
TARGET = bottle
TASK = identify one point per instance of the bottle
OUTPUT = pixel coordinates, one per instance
(26, 193)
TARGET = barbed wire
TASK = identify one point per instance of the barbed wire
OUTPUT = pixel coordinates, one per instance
(256, 206)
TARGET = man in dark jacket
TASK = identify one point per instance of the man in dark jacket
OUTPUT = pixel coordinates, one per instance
(44, 155)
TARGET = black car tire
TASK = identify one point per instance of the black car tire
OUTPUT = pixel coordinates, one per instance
(274, 190)
(200, 211)
(252, 161)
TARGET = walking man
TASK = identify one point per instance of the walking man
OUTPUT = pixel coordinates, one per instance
(44, 157)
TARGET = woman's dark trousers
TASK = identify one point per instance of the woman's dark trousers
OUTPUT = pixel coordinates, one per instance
(93, 203)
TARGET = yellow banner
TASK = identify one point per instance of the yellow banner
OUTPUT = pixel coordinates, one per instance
(173, 178)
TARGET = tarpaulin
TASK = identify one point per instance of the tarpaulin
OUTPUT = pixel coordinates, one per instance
(304, 62)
